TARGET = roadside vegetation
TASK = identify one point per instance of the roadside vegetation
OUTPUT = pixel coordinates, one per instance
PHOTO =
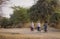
(43, 10)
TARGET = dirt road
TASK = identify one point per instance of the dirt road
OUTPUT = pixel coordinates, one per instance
(51, 34)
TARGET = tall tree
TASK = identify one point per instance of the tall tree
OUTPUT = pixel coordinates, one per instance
(42, 10)
(55, 20)
(19, 15)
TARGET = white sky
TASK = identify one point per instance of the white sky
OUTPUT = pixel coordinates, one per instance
(24, 3)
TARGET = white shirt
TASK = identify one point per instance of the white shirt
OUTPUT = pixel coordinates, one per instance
(38, 25)
(32, 24)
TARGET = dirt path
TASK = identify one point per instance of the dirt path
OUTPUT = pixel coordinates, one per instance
(52, 33)
(28, 31)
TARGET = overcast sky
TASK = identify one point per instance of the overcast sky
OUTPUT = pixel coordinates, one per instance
(24, 3)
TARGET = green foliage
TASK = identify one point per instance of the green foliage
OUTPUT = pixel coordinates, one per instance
(55, 18)
(20, 15)
(4, 22)
(42, 10)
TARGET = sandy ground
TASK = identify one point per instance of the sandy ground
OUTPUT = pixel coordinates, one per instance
(25, 33)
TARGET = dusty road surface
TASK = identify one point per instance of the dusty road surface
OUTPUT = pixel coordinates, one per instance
(25, 33)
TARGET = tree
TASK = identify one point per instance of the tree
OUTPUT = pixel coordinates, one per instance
(42, 10)
(4, 22)
(55, 20)
(20, 15)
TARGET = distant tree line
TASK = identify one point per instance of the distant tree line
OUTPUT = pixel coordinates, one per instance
(43, 10)
(17, 19)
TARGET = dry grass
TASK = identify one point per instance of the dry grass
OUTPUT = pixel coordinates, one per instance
(25, 33)
(18, 36)
(26, 36)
